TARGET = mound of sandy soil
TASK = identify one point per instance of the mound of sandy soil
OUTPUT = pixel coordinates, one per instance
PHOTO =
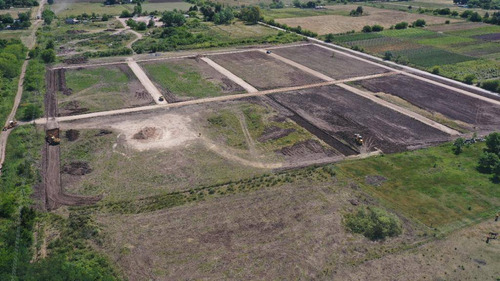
(146, 133)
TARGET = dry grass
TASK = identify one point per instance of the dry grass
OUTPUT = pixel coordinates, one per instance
(340, 24)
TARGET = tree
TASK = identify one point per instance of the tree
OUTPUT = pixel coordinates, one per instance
(435, 70)
(469, 79)
(491, 85)
(367, 28)
(388, 55)
(50, 2)
(329, 38)
(50, 45)
(475, 17)
(151, 23)
(297, 4)
(359, 10)
(419, 23)
(48, 55)
(373, 223)
(138, 9)
(493, 143)
(251, 14)
(377, 28)
(487, 162)
(48, 16)
(458, 146)
(173, 18)
(141, 26)
(224, 17)
(401, 25)
(31, 112)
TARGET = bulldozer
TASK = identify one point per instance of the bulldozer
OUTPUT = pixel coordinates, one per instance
(52, 132)
(11, 125)
(358, 139)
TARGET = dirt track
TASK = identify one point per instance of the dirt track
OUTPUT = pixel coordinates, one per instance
(146, 82)
(51, 189)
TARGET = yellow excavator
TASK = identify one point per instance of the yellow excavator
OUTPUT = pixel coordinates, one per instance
(52, 132)
(11, 125)
(358, 139)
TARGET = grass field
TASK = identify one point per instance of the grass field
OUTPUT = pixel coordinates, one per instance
(481, 69)
(64, 10)
(433, 185)
(339, 24)
(166, 6)
(444, 41)
(429, 56)
(297, 12)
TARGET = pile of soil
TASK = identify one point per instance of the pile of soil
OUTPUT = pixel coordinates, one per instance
(77, 168)
(76, 60)
(78, 31)
(72, 135)
(305, 148)
(375, 180)
(103, 132)
(110, 29)
(146, 133)
(274, 133)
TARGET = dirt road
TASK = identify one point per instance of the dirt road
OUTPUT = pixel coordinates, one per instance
(30, 43)
(146, 82)
(249, 88)
(213, 99)
(128, 29)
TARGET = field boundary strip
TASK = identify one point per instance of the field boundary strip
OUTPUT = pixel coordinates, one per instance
(249, 88)
(213, 99)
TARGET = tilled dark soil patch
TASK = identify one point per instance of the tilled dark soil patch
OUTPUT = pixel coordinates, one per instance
(77, 168)
(274, 133)
(489, 37)
(343, 114)
(456, 106)
(72, 135)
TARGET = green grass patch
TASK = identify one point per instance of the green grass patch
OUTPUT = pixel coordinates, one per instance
(183, 80)
(64, 10)
(113, 80)
(433, 186)
(481, 69)
(297, 13)
(429, 56)
(355, 37)
(166, 6)
(33, 91)
(443, 41)
(407, 33)
(227, 125)
(476, 31)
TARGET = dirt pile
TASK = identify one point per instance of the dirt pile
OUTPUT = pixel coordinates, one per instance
(72, 135)
(146, 133)
(274, 133)
(142, 95)
(72, 108)
(77, 168)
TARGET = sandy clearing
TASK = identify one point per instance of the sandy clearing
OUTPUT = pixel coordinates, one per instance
(146, 82)
(249, 88)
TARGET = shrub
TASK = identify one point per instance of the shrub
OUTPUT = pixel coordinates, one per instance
(367, 28)
(487, 162)
(329, 38)
(48, 56)
(373, 223)
(401, 25)
(447, 22)
(419, 23)
(377, 28)
(435, 70)
(491, 85)
(31, 112)
(458, 146)
(469, 79)
(388, 55)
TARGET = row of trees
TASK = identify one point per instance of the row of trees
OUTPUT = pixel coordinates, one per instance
(485, 4)
(6, 4)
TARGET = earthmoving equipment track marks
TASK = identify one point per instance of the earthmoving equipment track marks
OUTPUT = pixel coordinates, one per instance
(249, 88)
(299, 66)
(51, 191)
(214, 99)
(399, 109)
(332, 141)
(146, 82)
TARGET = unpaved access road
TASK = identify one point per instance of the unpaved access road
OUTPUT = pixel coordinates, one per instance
(146, 82)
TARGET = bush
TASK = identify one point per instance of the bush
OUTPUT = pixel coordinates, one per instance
(125, 14)
(435, 70)
(48, 56)
(487, 162)
(491, 85)
(31, 112)
(419, 23)
(367, 28)
(388, 55)
(373, 223)
(377, 28)
(469, 79)
(329, 38)
(401, 25)
(458, 146)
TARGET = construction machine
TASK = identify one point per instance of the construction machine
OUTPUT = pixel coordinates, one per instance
(358, 139)
(52, 132)
(11, 125)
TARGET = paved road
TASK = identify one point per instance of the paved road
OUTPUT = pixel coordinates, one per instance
(249, 88)
(146, 82)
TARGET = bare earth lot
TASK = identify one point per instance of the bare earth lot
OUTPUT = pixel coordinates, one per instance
(332, 64)
(339, 24)
(481, 114)
(188, 79)
(344, 114)
(288, 232)
(262, 71)
(86, 90)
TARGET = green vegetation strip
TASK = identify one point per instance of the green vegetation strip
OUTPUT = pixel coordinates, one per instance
(432, 185)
